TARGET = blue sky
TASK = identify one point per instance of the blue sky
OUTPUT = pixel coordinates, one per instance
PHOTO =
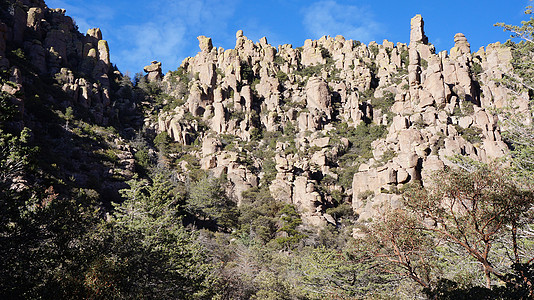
(166, 30)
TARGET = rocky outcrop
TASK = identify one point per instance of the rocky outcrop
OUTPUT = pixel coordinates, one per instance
(318, 96)
(297, 123)
(153, 71)
(303, 109)
(49, 40)
(64, 86)
(461, 46)
(441, 116)
(417, 31)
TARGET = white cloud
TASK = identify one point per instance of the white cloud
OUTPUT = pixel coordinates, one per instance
(141, 31)
(150, 41)
(171, 34)
(85, 14)
(330, 18)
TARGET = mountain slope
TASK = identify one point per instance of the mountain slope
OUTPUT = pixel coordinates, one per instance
(301, 121)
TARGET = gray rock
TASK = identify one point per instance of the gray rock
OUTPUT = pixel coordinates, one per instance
(205, 44)
(417, 32)
(153, 71)
(318, 96)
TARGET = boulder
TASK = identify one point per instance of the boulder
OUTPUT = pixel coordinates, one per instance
(417, 32)
(408, 138)
(320, 142)
(219, 119)
(281, 188)
(210, 145)
(461, 46)
(399, 123)
(207, 74)
(304, 195)
(94, 35)
(311, 54)
(205, 44)
(402, 176)
(153, 71)
(103, 53)
(407, 160)
(35, 14)
(318, 96)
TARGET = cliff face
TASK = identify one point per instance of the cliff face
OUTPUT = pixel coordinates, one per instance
(66, 92)
(48, 45)
(335, 121)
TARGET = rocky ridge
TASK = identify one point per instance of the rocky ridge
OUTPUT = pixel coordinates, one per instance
(47, 66)
(49, 41)
(332, 123)
(280, 118)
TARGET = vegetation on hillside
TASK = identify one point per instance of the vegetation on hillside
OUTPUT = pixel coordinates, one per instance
(75, 223)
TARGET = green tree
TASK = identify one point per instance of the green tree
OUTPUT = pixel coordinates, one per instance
(162, 142)
(207, 200)
(69, 115)
(148, 239)
(289, 220)
(525, 31)
(43, 244)
(518, 126)
(348, 273)
(479, 214)
(258, 214)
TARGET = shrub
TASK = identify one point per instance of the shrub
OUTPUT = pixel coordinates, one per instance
(340, 211)
(476, 69)
(405, 57)
(366, 195)
(471, 134)
(373, 50)
(289, 221)
(279, 60)
(424, 64)
(281, 76)
(246, 72)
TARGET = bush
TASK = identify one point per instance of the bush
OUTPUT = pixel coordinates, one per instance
(373, 50)
(340, 211)
(162, 142)
(208, 201)
(279, 60)
(247, 73)
(289, 220)
(258, 213)
(471, 134)
(424, 64)
(281, 76)
(405, 57)
(311, 71)
(476, 69)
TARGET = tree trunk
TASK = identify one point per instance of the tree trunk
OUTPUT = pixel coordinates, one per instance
(488, 278)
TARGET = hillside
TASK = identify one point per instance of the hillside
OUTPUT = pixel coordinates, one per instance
(259, 172)
(334, 121)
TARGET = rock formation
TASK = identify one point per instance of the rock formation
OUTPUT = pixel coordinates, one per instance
(153, 71)
(334, 121)
(437, 109)
(49, 68)
(50, 41)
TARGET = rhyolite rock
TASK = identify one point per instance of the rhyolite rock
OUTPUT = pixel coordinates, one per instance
(302, 108)
(153, 71)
